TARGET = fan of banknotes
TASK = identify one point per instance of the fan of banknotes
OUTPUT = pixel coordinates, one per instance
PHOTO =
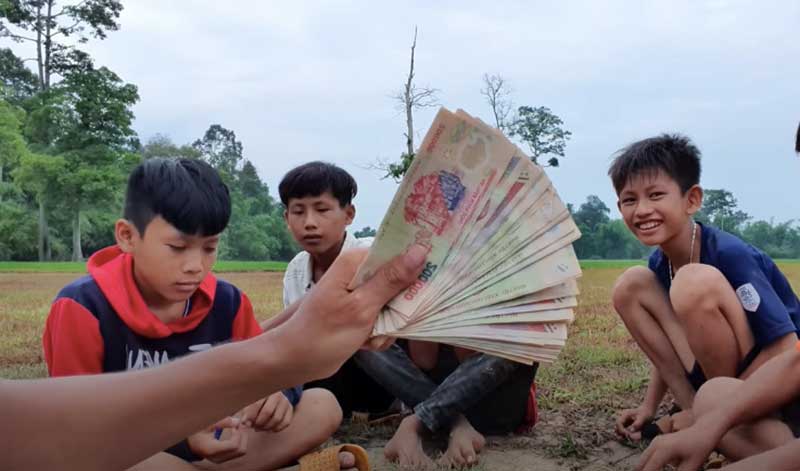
(500, 274)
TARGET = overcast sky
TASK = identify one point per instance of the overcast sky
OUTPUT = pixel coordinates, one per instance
(300, 81)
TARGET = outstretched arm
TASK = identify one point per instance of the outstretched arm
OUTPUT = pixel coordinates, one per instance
(113, 421)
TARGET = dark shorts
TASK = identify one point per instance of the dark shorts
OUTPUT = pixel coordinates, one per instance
(697, 377)
(790, 415)
(355, 390)
(182, 451)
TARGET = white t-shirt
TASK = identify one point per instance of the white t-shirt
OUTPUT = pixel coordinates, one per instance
(299, 276)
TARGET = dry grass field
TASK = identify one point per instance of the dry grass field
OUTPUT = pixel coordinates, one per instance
(600, 371)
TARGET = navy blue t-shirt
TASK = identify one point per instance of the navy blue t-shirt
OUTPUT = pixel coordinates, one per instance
(772, 308)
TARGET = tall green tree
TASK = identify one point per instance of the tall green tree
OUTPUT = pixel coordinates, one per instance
(53, 27)
(97, 142)
(12, 144)
(17, 226)
(256, 230)
(251, 187)
(603, 237)
(162, 146)
(220, 148)
(780, 240)
(593, 213)
(720, 209)
(17, 82)
(542, 131)
(366, 231)
(38, 175)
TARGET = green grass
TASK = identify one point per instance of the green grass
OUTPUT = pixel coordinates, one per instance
(223, 266)
(43, 267)
(589, 264)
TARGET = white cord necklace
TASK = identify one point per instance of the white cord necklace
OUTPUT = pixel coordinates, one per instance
(691, 251)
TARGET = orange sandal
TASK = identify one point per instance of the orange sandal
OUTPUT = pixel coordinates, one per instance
(328, 459)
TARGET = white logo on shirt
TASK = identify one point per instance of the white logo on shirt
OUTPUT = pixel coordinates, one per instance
(749, 297)
(145, 359)
(200, 347)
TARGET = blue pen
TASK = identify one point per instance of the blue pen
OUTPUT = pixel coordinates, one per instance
(217, 433)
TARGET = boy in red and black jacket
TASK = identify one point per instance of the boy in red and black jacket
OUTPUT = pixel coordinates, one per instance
(152, 298)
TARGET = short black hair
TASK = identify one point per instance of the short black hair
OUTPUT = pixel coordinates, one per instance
(314, 179)
(673, 154)
(187, 193)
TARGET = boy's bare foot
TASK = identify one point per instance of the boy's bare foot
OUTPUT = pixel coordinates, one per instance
(347, 461)
(405, 447)
(682, 420)
(464, 446)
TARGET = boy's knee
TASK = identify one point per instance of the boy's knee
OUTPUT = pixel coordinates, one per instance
(630, 285)
(694, 290)
(325, 408)
(712, 393)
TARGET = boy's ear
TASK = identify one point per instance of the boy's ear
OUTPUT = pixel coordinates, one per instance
(286, 216)
(126, 234)
(694, 198)
(350, 212)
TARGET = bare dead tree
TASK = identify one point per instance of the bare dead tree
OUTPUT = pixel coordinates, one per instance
(797, 144)
(411, 98)
(497, 93)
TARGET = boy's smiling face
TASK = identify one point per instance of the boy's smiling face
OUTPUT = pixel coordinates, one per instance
(168, 265)
(655, 209)
(318, 223)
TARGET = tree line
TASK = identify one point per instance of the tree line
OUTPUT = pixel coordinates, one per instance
(67, 144)
(607, 238)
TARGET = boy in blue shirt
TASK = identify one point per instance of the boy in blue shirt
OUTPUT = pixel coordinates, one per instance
(708, 304)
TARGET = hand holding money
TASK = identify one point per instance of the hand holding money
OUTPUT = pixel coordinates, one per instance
(500, 271)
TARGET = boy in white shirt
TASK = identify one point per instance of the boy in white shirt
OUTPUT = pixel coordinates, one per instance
(317, 198)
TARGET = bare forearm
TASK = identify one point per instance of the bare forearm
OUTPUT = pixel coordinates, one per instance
(772, 386)
(70, 416)
(280, 318)
(656, 389)
(782, 458)
(116, 420)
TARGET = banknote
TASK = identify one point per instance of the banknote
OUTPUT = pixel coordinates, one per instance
(500, 270)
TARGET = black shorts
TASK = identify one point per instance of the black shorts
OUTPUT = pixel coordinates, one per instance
(697, 377)
(182, 451)
(790, 415)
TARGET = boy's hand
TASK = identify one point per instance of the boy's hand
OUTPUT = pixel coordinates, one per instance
(332, 321)
(273, 413)
(206, 445)
(630, 421)
(688, 449)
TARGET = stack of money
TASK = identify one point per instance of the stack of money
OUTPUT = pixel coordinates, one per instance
(500, 274)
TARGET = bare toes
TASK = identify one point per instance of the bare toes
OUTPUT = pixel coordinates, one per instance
(346, 460)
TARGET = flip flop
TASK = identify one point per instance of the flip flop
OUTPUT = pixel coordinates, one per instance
(328, 459)
(652, 429)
